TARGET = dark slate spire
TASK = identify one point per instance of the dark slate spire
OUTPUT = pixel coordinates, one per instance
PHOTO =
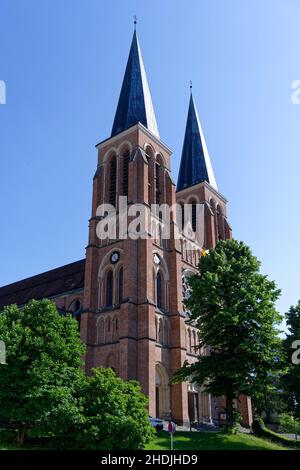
(135, 104)
(195, 165)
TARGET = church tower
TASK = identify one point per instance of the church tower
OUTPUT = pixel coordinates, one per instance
(127, 282)
(133, 314)
(197, 183)
(197, 186)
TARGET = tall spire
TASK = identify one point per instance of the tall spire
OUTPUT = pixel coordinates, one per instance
(195, 165)
(135, 104)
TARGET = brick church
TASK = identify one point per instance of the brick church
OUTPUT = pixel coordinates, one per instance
(127, 294)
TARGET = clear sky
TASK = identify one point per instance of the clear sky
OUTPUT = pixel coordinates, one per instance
(63, 63)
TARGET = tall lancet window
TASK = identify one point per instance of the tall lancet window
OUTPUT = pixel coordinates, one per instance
(109, 289)
(121, 285)
(150, 160)
(158, 290)
(194, 216)
(182, 216)
(113, 181)
(220, 224)
(157, 185)
(213, 208)
(125, 173)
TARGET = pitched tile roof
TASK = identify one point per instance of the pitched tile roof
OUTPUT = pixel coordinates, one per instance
(48, 284)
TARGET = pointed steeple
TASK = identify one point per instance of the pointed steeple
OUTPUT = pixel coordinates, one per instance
(195, 165)
(135, 104)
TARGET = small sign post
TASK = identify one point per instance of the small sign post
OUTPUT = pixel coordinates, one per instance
(171, 430)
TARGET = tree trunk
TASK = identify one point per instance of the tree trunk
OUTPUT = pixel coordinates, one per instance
(22, 430)
(229, 412)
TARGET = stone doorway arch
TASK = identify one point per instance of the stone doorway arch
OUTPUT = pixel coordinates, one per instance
(162, 392)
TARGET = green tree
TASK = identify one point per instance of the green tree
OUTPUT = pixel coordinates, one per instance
(291, 380)
(44, 366)
(289, 424)
(232, 305)
(115, 413)
(271, 402)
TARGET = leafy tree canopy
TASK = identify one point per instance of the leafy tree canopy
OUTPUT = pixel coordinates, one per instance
(233, 306)
(43, 387)
(43, 355)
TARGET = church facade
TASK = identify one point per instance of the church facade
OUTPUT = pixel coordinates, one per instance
(128, 292)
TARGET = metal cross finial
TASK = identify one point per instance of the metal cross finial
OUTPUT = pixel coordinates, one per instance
(191, 85)
(135, 21)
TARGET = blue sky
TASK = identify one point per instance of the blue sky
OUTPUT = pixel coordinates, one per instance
(63, 62)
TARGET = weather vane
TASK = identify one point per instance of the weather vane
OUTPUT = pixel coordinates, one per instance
(135, 21)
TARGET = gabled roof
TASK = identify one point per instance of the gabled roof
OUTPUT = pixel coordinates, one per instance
(46, 285)
(135, 104)
(195, 165)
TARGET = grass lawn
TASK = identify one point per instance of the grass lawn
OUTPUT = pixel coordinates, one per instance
(211, 441)
(182, 441)
(8, 442)
(4, 446)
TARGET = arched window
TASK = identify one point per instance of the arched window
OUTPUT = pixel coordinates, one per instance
(109, 289)
(121, 284)
(194, 342)
(100, 331)
(220, 223)
(213, 208)
(186, 250)
(194, 216)
(189, 341)
(182, 217)
(115, 329)
(158, 290)
(108, 330)
(157, 180)
(186, 290)
(150, 160)
(125, 173)
(161, 332)
(77, 313)
(159, 235)
(113, 181)
(157, 185)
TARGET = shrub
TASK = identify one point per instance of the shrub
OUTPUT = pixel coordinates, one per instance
(115, 413)
(260, 430)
